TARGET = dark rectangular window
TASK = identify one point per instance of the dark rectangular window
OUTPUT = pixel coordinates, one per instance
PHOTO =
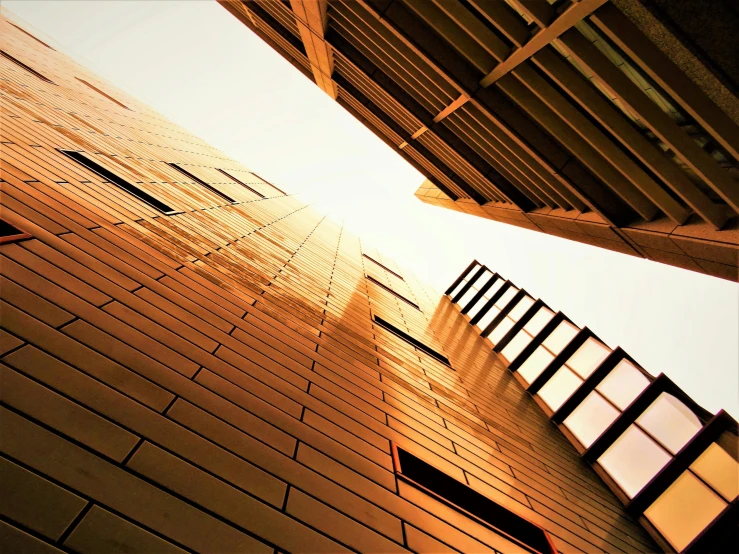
(234, 179)
(391, 291)
(270, 184)
(465, 499)
(100, 92)
(30, 35)
(383, 267)
(24, 66)
(111, 177)
(409, 339)
(11, 233)
(199, 181)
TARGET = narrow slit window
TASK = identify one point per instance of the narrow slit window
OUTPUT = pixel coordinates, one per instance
(270, 184)
(409, 339)
(199, 181)
(20, 64)
(383, 267)
(510, 526)
(247, 187)
(11, 233)
(111, 177)
(100, 92)
(30, 35)
(391, 291)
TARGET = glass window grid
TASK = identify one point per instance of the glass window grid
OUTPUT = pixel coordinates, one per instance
(654, 439)
(569, 371)
(547, 349)
(510, 319)
(475, 288)
(486, 297)
(467, 276)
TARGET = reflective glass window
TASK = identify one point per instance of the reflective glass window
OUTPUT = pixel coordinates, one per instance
(500, 330)
(489, 316)
(623, 384)
(559, 387)
(670, 421)
(487, 296)
(506, 297)
(516, 345)
(475, 288)
(519, 309)
(560, 337)
(535, 364)
(633, 459)
(684, 510)
(588, 357)
(592, 416)
(539, 321)
(717, 468)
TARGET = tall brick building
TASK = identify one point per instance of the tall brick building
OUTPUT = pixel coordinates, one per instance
(610, 122)
(192, 360)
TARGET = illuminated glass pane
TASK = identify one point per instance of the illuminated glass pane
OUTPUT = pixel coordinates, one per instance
(458, 288)
(540, 319)
(684, 510)
(633, 460)
(468, 296)
(623, 384)
(500, 330)
(535, 364)
(489, 316)
(507, 297)
(717, 468)
(519, 309)
(588, 357)
(670, 421)
(593, 416)
(559, 388)
(560, 337)
(472, 312)
(516, 345)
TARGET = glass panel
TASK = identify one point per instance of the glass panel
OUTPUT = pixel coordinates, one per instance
(489, 316)
(670, 421)
(456, 289)
(633, 460)
(717, 468)
(684, 510)
(507, 296)
(477, 307)
(559, 388)
(588, 357)
(500, 330)
(516, 346)
(593, 416)
(468, 296)
(540, 319)
(623, 384)
(535, 364)
(560, 337)
(519, 309)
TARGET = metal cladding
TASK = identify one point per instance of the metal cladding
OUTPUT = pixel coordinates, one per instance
(674, 465)
(613, 123)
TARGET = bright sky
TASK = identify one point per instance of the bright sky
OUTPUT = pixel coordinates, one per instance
(199, 66)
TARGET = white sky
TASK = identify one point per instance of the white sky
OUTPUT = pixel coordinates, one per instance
(199, 66)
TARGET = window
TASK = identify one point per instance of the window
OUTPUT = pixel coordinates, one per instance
(383, 267)
(495, 309)
(30, 35)
(573, 373)
(515, 530)
(391, 291)
(409, 339)
(270, 184)
(111, 177)
(535, 364)
(511, 318)
(461, 281)
(524, 337)
(480, 282)
(480, 304)
(24, 66)
(199, 181)
(11, 233)
(100, 92)
(234, 179)
(649, 443)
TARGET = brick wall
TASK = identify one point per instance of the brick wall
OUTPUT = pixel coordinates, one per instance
(213, 380)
